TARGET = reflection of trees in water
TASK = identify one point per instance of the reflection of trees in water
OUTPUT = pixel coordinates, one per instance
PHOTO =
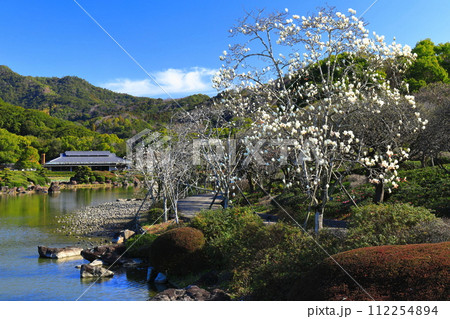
(40, 209)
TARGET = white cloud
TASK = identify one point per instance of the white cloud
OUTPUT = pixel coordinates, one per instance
(171, 81)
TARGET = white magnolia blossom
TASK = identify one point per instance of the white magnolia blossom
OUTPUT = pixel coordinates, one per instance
(331, 72)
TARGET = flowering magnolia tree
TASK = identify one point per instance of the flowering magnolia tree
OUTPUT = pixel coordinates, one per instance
(323, 91)
(165, 163)
(217, 149)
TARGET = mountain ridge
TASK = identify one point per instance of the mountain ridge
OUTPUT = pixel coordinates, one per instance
(75, 99)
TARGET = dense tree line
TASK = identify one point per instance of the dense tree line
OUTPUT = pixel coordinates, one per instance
(431, 65)
(35, 132)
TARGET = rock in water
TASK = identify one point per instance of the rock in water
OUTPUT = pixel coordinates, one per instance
(102, 252)
(191, 293)
(97, 262)
(47, 252)
(150, 274)
(161, 279)
(54, 187)
(90, 271)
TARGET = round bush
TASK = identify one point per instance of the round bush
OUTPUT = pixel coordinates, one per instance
(407, 272)
(139, 246)
(177, 251)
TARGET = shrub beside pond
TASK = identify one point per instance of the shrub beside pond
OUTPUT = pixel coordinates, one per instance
(178, 251)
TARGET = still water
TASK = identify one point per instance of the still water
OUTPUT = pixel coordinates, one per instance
(27, 221)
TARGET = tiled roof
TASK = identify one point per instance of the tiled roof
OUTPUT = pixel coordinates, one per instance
(87, 158)
(88, 153)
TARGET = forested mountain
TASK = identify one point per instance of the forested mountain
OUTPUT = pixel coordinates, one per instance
(35, 132)
(72, 98)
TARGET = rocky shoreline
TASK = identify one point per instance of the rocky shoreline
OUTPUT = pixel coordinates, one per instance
(56, 187)
(104, 222)
(101, 221)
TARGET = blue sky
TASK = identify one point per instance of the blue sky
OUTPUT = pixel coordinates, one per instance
(177, 42)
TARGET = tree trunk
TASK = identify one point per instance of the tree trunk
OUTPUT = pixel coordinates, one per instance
(250, 183)
(176, 213)
(165, 209)
(423, 161)
(318, 222)
(379, 193)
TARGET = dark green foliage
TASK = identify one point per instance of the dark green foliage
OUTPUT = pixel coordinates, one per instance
(24, 179)
(267, 259)
(384, 224)
(410, 272)
(428, 187)
(17, 150)
(139, 245)
(99, 178)
(295, 202)
(221, 228)
(155, 216)
(83, 174)
(178, 251)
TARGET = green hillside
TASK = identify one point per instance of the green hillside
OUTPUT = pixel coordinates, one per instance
(39, 132)
(72, 98)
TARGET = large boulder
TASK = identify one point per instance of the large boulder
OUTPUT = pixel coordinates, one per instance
(191, 293)
(20, 189)
(90, 271)
(41, 189)
(107, 253)
(123, 236)
(160, 279)
(65, 252)
(391, 273)
(177, 251)
(54, 187)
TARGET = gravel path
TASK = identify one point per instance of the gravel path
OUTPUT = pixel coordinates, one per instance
(100, 221)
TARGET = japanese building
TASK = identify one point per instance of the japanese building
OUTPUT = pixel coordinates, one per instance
(96, 160)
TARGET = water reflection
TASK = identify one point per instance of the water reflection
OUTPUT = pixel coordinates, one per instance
(27, 221)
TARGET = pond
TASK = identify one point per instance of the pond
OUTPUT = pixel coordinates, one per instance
(29, 220)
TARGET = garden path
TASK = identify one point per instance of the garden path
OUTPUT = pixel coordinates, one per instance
(192, 205)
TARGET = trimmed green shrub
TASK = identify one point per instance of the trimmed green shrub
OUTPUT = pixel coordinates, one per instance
(92, 179)
(222, 229)
(407, 272)
(384, 224)
(139, 245)
(224, 222)
(178, 251)
(82, 174)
